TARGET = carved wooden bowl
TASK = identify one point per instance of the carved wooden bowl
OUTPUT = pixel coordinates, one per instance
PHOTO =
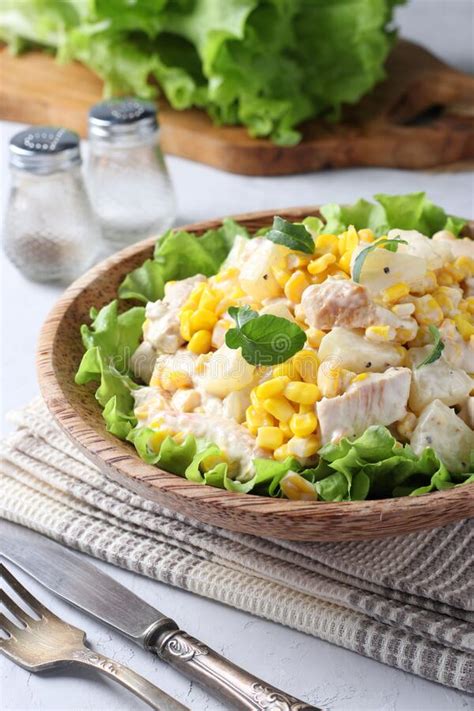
(79, 415)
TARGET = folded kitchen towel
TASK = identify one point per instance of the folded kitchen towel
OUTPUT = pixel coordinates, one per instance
(405, 601)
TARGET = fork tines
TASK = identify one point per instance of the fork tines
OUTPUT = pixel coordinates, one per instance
(18, 612)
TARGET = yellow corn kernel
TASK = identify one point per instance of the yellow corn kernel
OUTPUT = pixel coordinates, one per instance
(465, 265)
(314, 337)
(172, 380)
(395, 292)
(380, 333)
(428, 311)
(200, 342)
(444, 278)
(281, 453)
(297, 488)
(203, 319)
(226, 275)
(360, 377)
(269, 437)
(287, 368)
(279, 407)
(406, 334)
(470, 304)
(329, 379)
(256, 418)
(457, 274)
(319, 265)
(327, 244)
(272, 387)
(281, 276)
(185, 324)
(303, 447)
(303, 425)
(351, 239)
(464, 326)
(345, 262)
(295, 286)
(192, 302)
(286, 430)
(208, 300)
(141, 412)
(157, 438)
(297, 261)
(366, 235)
(307, 364)
(302, 393)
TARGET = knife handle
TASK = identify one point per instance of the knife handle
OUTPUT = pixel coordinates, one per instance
(228, 681)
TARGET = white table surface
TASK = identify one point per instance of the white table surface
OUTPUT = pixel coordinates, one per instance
(334, 678)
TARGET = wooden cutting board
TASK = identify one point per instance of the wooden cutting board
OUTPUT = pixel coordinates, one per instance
(421, 117)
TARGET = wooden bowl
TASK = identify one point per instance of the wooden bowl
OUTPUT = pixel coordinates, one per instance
(79, 415)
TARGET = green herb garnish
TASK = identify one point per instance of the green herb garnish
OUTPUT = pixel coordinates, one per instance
(390, 244)
(265, 340)
(438, 348)
(291, 235)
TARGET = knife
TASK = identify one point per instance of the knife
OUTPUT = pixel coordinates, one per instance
(70, 577)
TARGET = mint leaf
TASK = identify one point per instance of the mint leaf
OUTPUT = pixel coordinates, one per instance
(438, 348)
(291, 235)
(264, 340)
(390, 244)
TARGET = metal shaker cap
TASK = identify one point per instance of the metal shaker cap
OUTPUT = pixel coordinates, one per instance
(45, 149)
(124, 117)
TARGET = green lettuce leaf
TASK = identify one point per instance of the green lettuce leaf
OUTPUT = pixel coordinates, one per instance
(116, 336)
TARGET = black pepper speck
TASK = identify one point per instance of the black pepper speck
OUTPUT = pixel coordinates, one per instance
(386, 270)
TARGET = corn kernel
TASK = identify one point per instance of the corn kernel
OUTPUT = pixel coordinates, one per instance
(303, 447)
(457, 274)
(327, 243)
(226, 275)
(256, 418)
(345, 262)
(470, 304)
(203, 319)
(279, 407)
(287, 368)
(395, 292)
(295, 286)
(272, 387)
(281, 453)
(359, 378)
(366, 235)
(285, 428)
(281, 276)
(380, 333)
(208, 300)
(192, 302)
(212, 460)
(403, 310)
(185, 324)
(303, 425)
(156, 440)
(297, 261)
(200, 342)
(428, 311)
(297, 488)
(352, 239)
(172, 380)
(307, 364)
(269, 437)
(444, 278)
(329, 379)
(464, 326)
(141, 412)
(314, 337)
(302, 393)
(465, 265)
(319, 265)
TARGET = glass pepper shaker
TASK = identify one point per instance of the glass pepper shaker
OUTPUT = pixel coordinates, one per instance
(127, 179)
(50, 232)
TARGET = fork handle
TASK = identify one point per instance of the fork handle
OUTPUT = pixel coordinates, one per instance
(234, 685)
(138, 685)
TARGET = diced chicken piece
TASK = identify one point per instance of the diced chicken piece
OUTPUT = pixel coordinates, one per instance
(380, 399)
(383, 268)
(386, 317)
(457, 352)
(467, 411)
(143, 361)
(256, 275)
(357, 353)
(161, 328)
(459, 247)
(440, 428)
(186, 399)
(277, 307)
(436, 381)
(337, 302)
(225, 371)
(435, 254)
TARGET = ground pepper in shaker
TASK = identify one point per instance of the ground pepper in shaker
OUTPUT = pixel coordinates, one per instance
(127, 179)
(50, 232)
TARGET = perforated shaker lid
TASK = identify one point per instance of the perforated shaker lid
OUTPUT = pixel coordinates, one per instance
(45, 149)
(123, 117)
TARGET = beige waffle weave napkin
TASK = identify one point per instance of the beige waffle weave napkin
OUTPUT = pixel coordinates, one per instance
(405, 601)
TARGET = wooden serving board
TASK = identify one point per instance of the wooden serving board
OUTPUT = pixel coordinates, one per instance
(391, 127)
(77, 411)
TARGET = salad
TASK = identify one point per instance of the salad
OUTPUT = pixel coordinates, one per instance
(331, 359)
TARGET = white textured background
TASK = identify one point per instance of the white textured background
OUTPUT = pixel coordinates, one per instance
(309, 668)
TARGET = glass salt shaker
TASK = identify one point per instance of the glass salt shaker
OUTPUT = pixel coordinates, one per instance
(127, 179)
(50, 232)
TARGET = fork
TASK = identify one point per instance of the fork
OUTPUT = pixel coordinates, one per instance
(49, 642)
